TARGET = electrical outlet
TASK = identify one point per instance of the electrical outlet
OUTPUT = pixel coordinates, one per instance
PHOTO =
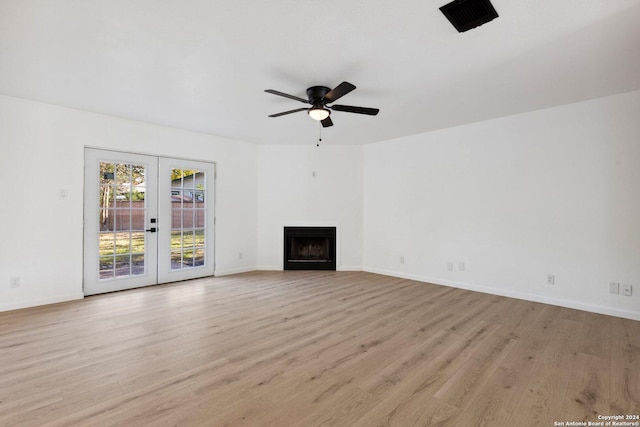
(14, 282)
(240, 255)
(461, 266)
(614, 287)
(626, 290)
(402, 259)
(450, 266)
(551, 279)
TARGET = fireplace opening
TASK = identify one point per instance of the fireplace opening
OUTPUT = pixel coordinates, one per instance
(309, 248)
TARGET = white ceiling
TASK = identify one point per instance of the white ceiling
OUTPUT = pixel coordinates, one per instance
(203, 65)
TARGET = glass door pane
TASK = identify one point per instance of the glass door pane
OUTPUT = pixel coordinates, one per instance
(122, 219)
(188, 218)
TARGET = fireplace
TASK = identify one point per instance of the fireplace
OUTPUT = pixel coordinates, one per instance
(309, 248)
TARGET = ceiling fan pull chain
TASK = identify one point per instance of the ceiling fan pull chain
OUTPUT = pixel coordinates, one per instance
(319, 134)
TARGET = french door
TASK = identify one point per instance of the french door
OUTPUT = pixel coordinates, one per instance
(147, 220)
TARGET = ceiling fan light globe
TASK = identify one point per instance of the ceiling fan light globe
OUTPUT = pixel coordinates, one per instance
(318, 113)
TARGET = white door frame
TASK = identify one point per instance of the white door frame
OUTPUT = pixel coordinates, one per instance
(157, 260)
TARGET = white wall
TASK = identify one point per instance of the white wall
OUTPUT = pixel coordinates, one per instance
(290, 195)
(42, 151)
(550, 192)
(555, 191)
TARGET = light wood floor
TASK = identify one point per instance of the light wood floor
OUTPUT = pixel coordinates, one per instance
(313, 348)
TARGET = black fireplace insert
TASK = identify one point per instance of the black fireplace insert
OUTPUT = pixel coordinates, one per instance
(310, 248)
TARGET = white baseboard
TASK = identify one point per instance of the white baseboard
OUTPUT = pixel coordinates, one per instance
(235, 271)
(41, 301)
(269, 268)
(350, 268)
(610, 311)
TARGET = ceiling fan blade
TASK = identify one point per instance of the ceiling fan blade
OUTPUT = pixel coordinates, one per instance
(286, 95)
(288, 112)
(338, 92)
(359, 110)
(327, 122)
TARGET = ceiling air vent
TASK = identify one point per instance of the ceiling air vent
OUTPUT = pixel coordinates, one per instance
(468, 14)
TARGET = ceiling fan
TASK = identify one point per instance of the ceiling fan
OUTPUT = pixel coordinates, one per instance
(319, 97)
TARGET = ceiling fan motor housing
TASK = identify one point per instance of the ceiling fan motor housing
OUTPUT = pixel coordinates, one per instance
(316, 94)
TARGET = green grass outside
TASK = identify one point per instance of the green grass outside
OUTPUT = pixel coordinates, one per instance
(122, 243)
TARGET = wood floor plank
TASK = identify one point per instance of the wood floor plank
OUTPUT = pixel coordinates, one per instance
(542, 400)
(588, 390)
(625, 367)
(313, 349)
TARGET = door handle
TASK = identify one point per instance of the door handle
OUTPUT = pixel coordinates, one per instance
(151, 230)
